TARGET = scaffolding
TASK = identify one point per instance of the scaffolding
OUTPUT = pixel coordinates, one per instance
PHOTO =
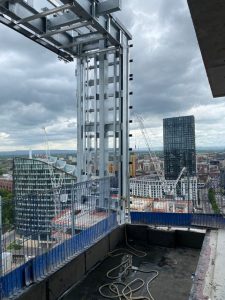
(103, 115)
(86, 30)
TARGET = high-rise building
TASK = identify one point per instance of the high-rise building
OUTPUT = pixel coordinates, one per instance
(179, 146)
(34, 195)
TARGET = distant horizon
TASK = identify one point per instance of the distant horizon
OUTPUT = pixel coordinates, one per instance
(43, 151)
(170, 81)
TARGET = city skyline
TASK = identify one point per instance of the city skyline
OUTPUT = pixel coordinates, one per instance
(35, 94)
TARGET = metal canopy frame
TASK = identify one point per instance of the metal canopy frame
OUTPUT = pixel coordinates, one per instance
(63, 26)
(86, 30)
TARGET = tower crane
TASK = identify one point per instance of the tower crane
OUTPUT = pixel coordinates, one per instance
(55, 182)
(146, 138)
(173, 191)
(159, 172)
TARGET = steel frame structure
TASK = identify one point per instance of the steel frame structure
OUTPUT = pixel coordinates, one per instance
(86, 30)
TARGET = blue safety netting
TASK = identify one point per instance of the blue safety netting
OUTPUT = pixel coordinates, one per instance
(40, 266)
(180, 220)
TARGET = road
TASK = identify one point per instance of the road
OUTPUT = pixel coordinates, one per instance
(206, 206)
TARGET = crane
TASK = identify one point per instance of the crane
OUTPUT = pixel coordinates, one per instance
(159, 172)
(55, 182)
(146, 138)
(165, 185)
(173, 191)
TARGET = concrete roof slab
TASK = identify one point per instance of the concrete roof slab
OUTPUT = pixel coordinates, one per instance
(209, 24)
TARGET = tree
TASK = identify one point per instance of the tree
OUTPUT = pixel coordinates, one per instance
(212, 200)
(7, 209)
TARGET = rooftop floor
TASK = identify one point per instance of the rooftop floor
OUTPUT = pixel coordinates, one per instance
(175, 267)
(190, 264)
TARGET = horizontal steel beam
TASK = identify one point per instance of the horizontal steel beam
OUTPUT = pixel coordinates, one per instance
(53, 2)
(63, 20)
(96, 97)
(65, 55)
(66, 28)
(21, 10)
(110, 80)
(91, 127)
(110, 64)
(44, 14)
(91, 51)
(108, 7)
(34, 28)
(87, 10)
(84, 39)
(56, 32)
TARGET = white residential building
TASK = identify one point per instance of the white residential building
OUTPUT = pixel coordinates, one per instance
(148, 187)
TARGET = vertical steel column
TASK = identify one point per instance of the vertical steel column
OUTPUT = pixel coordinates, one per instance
(103, 96)
(80, 121)
(95, 104)
(124, 132)
(72, 210)
(103, 117)
(126, 103)
(115, 112)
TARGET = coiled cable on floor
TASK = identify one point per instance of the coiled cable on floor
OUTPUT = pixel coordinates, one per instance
(127, 265)
(114, 289)
(127, 292)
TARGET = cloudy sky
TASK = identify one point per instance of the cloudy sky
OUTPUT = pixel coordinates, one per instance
(37, 90)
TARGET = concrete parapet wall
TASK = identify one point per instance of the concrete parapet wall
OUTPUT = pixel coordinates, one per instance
(36, 292)
(116, 237)
(162, 238)
(64, 278)
(57, 283)
(190, 239)
(165, 238)
(96, 253)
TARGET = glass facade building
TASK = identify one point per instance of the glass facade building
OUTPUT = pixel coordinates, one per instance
(34, 196)
(179, 146)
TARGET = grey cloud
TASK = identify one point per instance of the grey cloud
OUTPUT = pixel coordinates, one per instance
(169, 77)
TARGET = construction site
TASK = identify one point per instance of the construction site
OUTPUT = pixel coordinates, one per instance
(89, 231)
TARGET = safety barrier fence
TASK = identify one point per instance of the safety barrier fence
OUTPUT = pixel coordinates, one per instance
(48, 228)
(42, 265)
(179, 220)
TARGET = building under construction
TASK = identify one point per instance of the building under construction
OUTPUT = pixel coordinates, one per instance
(34, 193)
(148, 186)
(87, 31)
